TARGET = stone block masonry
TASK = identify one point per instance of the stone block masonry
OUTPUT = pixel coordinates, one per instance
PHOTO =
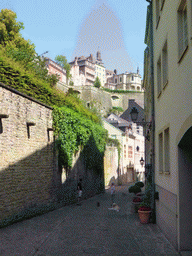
(31, 182)
(28, 164)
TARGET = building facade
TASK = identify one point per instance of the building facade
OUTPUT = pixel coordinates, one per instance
(54, 68)
(172, 51)
(132, 147)
(125, 81)
(86, 67)
(77, 77)
(100, 69)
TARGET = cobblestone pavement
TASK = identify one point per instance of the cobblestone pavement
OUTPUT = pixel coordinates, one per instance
(88, 229)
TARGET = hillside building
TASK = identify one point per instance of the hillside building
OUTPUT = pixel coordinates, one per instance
(54, 68)
(100, 69)
(83, 66)
(125, 81)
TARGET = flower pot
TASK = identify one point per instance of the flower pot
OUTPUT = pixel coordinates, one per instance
(144, 216)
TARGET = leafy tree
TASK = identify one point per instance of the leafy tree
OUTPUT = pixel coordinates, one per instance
(62, 61)
(97, 82)
(16, 46)
(9, 27)
(71, 83)
(19, 49)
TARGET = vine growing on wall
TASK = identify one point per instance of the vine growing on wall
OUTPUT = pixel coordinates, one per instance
(74, 131)
(120, 91)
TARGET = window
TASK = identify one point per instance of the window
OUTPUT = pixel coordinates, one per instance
(162, 4)
(132, 78)
(159, 76)
(120, 79)
(130, 151)
(124, 151)
(161, 153)
(165, 64)
(116, 80)
(157, 12)
(137, 129)
(182, 29)
(166, 151)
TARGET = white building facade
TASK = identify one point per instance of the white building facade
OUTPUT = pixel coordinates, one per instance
(125, 81)
(172, 33)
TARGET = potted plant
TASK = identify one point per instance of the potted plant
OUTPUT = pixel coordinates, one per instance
(136, 202)
(134, 189)
(139, 184)
(144, 212)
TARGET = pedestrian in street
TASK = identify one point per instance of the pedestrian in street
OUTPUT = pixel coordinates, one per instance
(79, 190)
(112, 189)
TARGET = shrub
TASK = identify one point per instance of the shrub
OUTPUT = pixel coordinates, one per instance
(139, 184)
(134, 189)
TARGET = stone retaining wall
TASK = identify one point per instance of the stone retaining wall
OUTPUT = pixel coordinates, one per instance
(28, 169)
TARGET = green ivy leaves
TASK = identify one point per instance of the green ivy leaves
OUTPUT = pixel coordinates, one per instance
(73, 131)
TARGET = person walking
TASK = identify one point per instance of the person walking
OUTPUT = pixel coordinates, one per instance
(79, 189)
(112, 189)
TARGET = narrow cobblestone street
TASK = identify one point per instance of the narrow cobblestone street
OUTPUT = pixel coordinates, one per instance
(88, 229)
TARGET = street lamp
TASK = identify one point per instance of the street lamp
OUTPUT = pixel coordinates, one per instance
(142, 161)
(134, 114)
(43, 53)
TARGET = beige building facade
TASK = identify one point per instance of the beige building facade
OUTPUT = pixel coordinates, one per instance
(100, 72)
(125, 81)
(172, 34)
(86, 68)
(132, 149)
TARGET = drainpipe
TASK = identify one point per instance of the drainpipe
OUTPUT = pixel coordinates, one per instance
(152, 111)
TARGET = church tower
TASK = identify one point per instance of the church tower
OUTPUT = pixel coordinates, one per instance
(99, 56)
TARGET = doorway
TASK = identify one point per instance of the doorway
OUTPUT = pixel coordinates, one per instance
(185, 190)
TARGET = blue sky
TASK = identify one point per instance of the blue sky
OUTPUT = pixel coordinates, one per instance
(55, 26)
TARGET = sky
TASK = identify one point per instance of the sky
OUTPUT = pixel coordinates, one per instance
(76, 28)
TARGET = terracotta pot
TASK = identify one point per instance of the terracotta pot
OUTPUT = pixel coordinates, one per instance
(144, 216)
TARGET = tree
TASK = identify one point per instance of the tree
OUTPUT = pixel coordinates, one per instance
(9, 27)
(15, 45)
(62, 61)
(114, 110)
(20, 49)
(97, 82)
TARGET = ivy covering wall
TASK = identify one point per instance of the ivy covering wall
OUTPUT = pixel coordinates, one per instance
(14, 74)
(75, 131)
(75, 126)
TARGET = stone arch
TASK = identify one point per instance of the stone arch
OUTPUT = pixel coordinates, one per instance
(76, 91)
(114, 97)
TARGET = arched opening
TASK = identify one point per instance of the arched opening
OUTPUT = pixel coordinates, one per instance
(76, 91)
(185, 190)
(114, 97)
(115, 101)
